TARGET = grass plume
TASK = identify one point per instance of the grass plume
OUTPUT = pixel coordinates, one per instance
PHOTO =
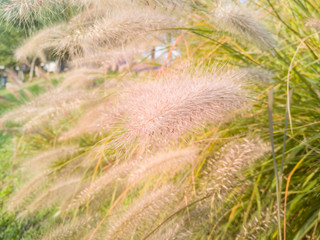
(141, 214)
(313, 23)
(238, 20)
(69, 231)
(230, 161)
(57, 192)
(81, 78)
(21, 196)
(258, 225)
(97, 120)
(110, 59)
(38, 44)
(159, 111)
(112, 175)
(48, 107)
(163, 162)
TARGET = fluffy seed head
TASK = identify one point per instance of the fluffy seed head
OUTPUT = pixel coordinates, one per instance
(81, 78)
(111, 4)
(21, 196)
(111, 176)
(125, 26)
(38, 168)
(113, 58)
(253, 75)
(141, 214)
(69, 231)
(172, 230)
(257, 225)
(98, 120)
(162, 162)
(57, 192)
(118, 28)
(48, 107)
(313, 23)
(223, 171)
(238, 20)
(22, 11)
(38, 44)
(156, 112)
(42, 161)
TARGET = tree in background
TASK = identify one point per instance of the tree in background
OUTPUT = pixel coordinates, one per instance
(11, 38)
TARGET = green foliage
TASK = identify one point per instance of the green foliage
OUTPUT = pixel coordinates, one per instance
(13, 228)
(5, 165)
(8, 100)
(35, 89)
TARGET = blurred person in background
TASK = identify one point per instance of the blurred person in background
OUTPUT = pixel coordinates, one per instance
(4, 79)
